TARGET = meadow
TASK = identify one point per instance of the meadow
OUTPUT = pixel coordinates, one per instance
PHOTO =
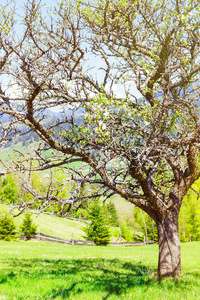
(42, 270)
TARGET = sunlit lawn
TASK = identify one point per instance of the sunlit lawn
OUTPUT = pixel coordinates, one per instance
(33, 270)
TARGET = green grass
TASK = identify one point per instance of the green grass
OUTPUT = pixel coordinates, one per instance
(33, 270)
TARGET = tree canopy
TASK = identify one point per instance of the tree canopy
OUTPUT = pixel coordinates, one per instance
(89, 60)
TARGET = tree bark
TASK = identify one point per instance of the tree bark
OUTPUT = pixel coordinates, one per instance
(169, 262)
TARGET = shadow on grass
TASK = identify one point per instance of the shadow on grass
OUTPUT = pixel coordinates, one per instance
(6, 277)
(75, 276)
(80, 275)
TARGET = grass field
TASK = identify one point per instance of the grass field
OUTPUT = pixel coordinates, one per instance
(39, 270)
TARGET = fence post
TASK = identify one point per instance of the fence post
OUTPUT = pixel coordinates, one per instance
(72, 238)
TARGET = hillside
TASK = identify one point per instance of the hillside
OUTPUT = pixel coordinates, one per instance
(50, 117)
(52, 225)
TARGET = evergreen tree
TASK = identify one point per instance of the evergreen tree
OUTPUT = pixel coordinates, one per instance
(7, 228)
(97, 230)
(27, 227)
(112, 214)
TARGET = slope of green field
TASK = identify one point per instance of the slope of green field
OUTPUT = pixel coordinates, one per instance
(52, 225)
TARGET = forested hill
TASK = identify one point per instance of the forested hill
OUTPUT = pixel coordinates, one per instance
(31, 137)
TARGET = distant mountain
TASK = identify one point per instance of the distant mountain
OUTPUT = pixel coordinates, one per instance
(50, 113)
(50, 117)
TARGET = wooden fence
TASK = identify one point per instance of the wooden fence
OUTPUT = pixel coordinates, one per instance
(53, 239)
(131, 244)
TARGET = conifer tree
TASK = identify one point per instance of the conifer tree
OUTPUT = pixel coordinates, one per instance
(113, 217)
(27, 227)
(97, 230)
(7, 228)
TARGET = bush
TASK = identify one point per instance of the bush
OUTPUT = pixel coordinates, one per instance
(97, 231)
(8, 190)
(126, 232)
(27, 227)
(7, 228)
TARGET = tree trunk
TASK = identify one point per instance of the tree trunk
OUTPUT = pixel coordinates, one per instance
(169, 263)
